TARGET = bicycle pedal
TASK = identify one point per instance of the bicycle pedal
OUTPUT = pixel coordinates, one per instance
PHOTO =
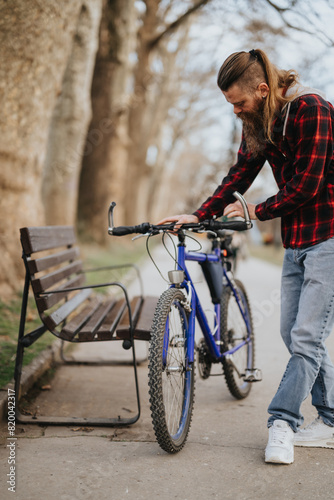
(254, 375)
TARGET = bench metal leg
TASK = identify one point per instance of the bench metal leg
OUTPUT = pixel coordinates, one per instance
(20, 347)
(53, 420)
(82, 421)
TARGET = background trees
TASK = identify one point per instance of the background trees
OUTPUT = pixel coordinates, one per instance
(116, 99)
(33, 61)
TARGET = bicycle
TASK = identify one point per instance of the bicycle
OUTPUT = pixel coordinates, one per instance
(172, 345)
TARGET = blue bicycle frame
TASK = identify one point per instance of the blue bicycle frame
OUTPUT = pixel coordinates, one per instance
(172, 347)
(197, 311)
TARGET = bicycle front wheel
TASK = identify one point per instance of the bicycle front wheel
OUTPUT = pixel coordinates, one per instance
(233, 333)
(171, 380)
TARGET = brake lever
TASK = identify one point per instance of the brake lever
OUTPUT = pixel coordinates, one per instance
(145, 235)
(140, 236)
(208, 231)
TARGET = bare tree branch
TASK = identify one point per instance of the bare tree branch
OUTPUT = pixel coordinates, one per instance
(281, 11)
(175, 24)
(276, 7)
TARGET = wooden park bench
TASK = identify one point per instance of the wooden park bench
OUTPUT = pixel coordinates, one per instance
(71, 309)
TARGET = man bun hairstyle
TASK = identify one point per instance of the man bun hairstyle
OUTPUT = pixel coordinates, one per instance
(248, 70)
(234, 68)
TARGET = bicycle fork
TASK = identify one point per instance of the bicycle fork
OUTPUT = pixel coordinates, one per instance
(183, 341)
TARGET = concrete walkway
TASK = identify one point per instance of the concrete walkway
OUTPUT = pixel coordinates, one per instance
(223, 457)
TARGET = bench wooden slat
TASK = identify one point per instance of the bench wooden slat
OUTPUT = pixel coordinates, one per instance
(37, 239)
(73, 326)
(63, 312)
(88, 331)
(44, 302)
(106, 330)
(142, 330)
(43, 284)
(144, 324)
(124, 323)
(37, 265)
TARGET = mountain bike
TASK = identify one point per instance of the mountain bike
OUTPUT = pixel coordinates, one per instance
(172, 350)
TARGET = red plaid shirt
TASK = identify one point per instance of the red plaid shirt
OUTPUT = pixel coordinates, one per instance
(303, 167)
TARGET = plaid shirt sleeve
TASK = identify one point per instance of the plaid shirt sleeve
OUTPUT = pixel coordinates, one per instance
(314, 140)
(239, 178)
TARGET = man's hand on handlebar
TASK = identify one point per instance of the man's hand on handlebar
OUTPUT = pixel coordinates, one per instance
(235, 210)
(179, 220)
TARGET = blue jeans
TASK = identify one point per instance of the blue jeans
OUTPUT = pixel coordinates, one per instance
(307, 318)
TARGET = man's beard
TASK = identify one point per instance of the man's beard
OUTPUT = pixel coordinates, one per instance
(253, 128)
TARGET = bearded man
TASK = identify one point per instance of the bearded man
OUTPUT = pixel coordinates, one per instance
(291, 127)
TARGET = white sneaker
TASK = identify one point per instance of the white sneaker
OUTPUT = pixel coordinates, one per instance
(317, 434)
(279, 449)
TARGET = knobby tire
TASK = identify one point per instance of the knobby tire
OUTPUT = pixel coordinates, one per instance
(233, 331)
(171, 383)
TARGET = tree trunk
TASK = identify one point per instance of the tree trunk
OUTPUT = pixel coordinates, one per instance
(104, 164)
(154, 95)
(33, 60)
(139, 125)
(70, 121)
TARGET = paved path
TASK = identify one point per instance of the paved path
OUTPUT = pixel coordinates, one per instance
(223, 457)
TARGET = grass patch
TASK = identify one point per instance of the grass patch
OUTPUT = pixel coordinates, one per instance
(93, 256)
(9, 327)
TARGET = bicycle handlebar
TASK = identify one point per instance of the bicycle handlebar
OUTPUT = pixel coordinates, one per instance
(124, 230)
(206, 225)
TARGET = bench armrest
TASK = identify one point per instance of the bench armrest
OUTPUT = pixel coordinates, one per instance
(74, 289)
(112, 283)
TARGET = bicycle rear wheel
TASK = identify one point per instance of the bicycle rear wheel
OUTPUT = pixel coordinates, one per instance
(171, 381)
(233, 332)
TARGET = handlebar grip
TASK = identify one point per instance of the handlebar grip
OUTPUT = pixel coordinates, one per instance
(237, 225)
(233, 225)
(124, 230)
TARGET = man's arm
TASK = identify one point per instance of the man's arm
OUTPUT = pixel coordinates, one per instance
(239, 178)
